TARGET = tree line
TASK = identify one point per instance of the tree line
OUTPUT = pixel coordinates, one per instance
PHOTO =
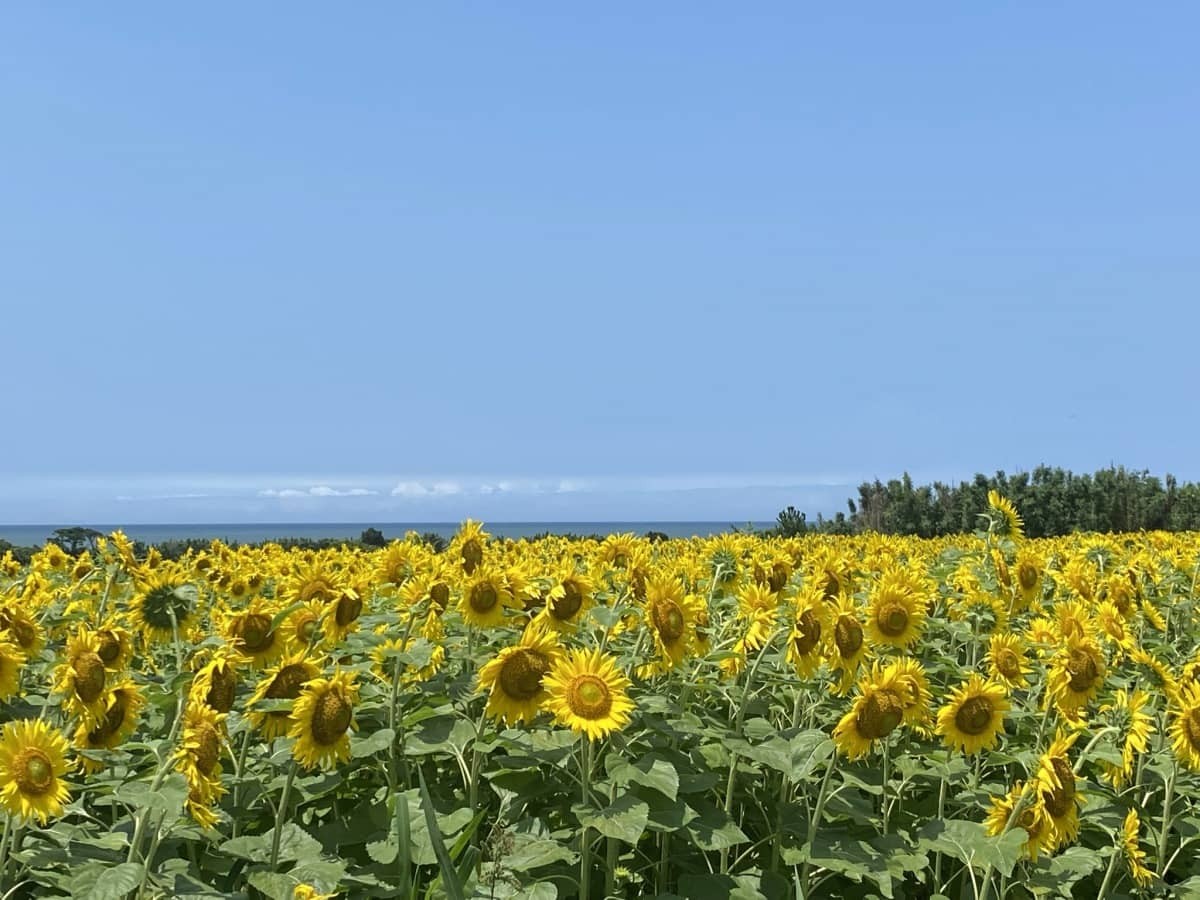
(1052, 501)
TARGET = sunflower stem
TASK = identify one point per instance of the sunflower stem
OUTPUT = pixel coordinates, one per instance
(611, 856)
(240, 768)
(280, 812)
(815, 823)
(738, 721)
(885, 809)
(1165, 832)
(585, 781)
(941, 814)
(785, 789)
(9, 828)
(1108, 874)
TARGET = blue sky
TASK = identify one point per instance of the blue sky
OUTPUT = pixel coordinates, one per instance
(402, 262)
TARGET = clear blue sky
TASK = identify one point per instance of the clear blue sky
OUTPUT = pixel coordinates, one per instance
(399, 261)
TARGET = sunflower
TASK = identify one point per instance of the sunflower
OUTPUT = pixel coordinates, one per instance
(516, 677)
(588, 693)
(22, 629)
(1128, 710)
(569, 599)
(758, 614)
(396, 563)
(1185, 726)
(876, 712)
(670, 615)
(1056, 786)
(308, 892)
(1153, 616)
(1134, 854)
(301, 629)
(484, 598)
(215, 684)
(116, 646)
(123, 704)
(199, 759)
(313, 580)
(1033, 818)
(1154, 673)
(163, 605)
(251, 633)
(1112, 627)
(1076, 675)
(897, 610)
(11, 661)
(1005, 521)
(907, 675)
(617, 550)
(81, 676)
(847, 642)
(973, 717)
(1006, 660)
(810, 631)
(32, 765)
(284, 682)
(322, 719)
(433, 585)
(344, 613)
(469, 545)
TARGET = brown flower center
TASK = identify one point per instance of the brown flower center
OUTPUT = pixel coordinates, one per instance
(807, 633)
(331, 718)
(316, 589)
(24, 632)
(1191, 728)
(287, 682)
(483, 597)
(564, 608)
(1008, 664)
(110, 647)
(222, 686)
(522, 673)
(668, 620)
(440, 595)
(89, 676)
(255, 634)
(879, 714)
(1058, 802)
(349, 608)
(208, 748)
(113, 720)
(974, 716)
(33, 772)
(892, 619)
(472, 555)
(780, 573)
(588, 697)
(848, 636)
(1028, 576)
(1082, 668)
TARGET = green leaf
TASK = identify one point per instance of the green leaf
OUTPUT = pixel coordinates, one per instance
(969, 843)
(533, 853)
(372, 743)
(624, 819)
(713, 829)
(808, 750)
(649, 771)
(274, 884)
(101, 882)
(294, 843)
(450, 882)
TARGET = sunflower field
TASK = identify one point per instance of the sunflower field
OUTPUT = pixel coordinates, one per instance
(981, 716)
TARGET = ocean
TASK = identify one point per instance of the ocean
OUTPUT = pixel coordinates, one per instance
(35, 535)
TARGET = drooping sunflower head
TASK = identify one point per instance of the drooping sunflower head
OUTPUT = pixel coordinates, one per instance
(469, 546)
(123, 705)
(11, 662)
(1057, 787)
(33, 764)
(303, 626)
(216, 682)
(569, 598)
(973, 717)
(811, 627)
(1004, 518)
(116, 645)
(1185, 727)
(284, 682)
(81, 677)
(252, 634)
(617, 550)
(1032, 818)
(588, 693)
(322, 719)
(898, 608)
(1135, 856)
(515, 678)
(848, 643)
(19, 626)
(1128, 713)
(1076, 675)
(670, 616)
(199, 759)
(344, 613)
(907, 676)
(313, 581)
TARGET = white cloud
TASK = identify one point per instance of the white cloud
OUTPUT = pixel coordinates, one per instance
(433, 489)
(320, 490)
